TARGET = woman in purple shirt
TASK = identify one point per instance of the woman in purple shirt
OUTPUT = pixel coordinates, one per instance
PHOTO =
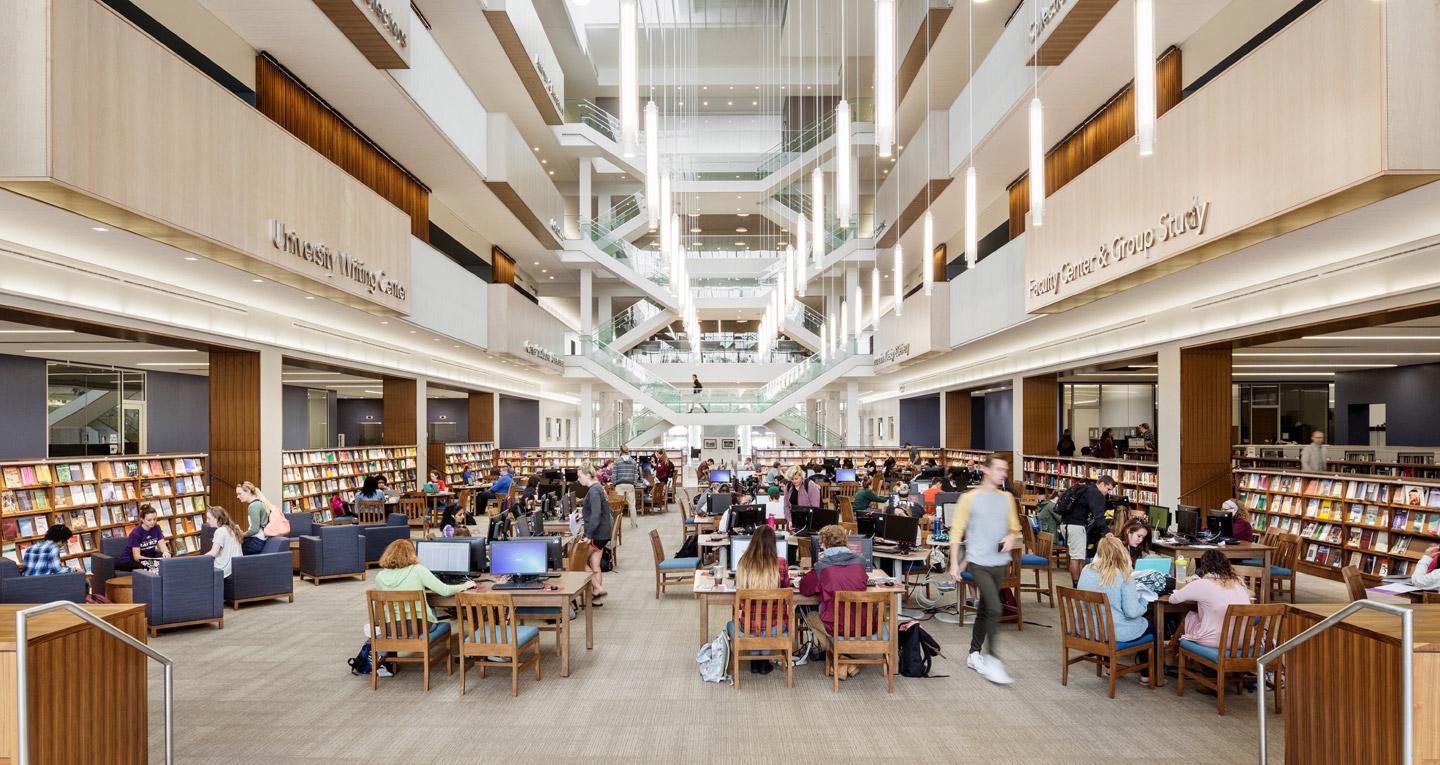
(146, 544)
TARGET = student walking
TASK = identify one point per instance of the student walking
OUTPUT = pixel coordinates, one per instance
(987, 521)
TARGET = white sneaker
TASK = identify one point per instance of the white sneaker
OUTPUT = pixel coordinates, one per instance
(991, 669)
(383, 671)
(976, 661)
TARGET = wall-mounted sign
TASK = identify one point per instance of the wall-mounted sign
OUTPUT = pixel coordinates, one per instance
(1172, 225)
(388, 21)
(549, 86)
(544, 354)
(894, 354)
(331, 262)
(1048, 13)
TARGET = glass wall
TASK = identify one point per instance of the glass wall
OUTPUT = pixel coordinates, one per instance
(94, 411)
(1275, 413)
(1087, 409)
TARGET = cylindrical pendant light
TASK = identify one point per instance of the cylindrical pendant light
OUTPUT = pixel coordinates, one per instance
(833, 334)
(844, 321)
(802, 252)
(884, 77)
(664, 205)
(1037, 162)
(842, 163)
(875, 297)
(972, 237)
(1144, 95)
(629, 80)
(817, 213)
(859, 312)
(899, 280)
(927, 255)
(652, 163)
(795, 261)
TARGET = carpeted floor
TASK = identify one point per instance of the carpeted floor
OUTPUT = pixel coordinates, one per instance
(274, 687)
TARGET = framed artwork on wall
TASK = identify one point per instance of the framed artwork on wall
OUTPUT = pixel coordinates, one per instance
(710, 443)
(727, 443)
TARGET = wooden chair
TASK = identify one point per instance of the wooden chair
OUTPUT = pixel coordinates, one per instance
(370, 511)
(1430, 598)
(805, 554)
(865, 632)
(671, 572)
(1010, 582)
(1282, 568)
(398, 622)
(775, 607)
(1253, 578)
(488, 627)
(1086, 626)
(1354, 583)
(414, 510)
(1248, 632)
(579, 556)
(1038, 561)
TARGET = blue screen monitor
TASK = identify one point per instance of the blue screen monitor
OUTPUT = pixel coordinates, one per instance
(719, 476)
(845, 475)
(518, 557)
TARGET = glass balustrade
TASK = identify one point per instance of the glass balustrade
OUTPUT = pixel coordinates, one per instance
(627, 430)
(638, 313)
(803, 426)
(808, 317)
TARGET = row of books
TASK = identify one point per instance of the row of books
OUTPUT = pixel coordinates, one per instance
(1139, 475)
(467, 456)
(344, 469)
(1399, 519)
(397, 480)
(316, 456)
(16, 476)
(1408, 495)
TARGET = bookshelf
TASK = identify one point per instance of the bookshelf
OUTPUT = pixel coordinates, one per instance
(1394, 461)
(467, 456)
(99, 497)
(310, 477)
(1136, 481)
(528, 461)
(965, 457)
(791, 457)
(1381, 525)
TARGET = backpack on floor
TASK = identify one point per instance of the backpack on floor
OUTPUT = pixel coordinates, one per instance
(691, 548)
(360, 665)
(714, 659)
(917, 648)
(607, 560)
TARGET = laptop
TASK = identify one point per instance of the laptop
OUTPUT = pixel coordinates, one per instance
(1163, 565)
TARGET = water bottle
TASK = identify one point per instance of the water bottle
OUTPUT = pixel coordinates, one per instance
(1181, 568)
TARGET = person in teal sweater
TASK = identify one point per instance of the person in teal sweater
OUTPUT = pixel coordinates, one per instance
(872, 493)
(1109, 573)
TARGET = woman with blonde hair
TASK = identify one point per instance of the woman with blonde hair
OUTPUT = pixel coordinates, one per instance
(760, 568)
(258, 510)
(1109, 573)
(799, 492)
(400, 569)
(225, 544)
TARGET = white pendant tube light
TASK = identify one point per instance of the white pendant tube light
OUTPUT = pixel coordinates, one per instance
(817, 213)
(875, 297)
(802, 253)
(884, 77)
(859, 312)
(833, 334)
(972, 237)
(927, 255)
(664, 205)
(629, 80)
(676, 250)
(795, 261)
(899, 280)
(842, 163)
(844, 322)
(1037, 162)
(652, 163)
(1145, 76)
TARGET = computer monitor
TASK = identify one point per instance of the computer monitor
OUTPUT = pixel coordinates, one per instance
(554, 555)
(646, 459)
(845, 475)
(1136, 443)
(443, 558)
(867, 524)
(904, 529)
(553, 475)
(476, 546)
(720, 502)
(738, 546)
(947, 498)
(521, 558)
(1220, 523)
(831, 462)
(1159, 517)
(720, 476)
(864, 547)
(572, 475)
(522, 526)
(1187, 520)
(746, 516)
(821, 517)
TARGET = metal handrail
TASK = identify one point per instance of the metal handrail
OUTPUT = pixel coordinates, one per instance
(22, 671)
(1407, 687)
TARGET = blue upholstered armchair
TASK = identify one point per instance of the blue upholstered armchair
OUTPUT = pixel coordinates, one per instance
(379, 536)
(263, 576)
(334, 551)
(38, 589)
(183, 591)
(102, 563)
(301, 524)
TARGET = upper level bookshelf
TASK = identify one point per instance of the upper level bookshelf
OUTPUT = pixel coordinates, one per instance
(310, 477)
(1137, 481)
(1395, 461)
(528, 461)
(98, 497)
(789, 457)
(964, 457)
(474, 456)
(1379, 524)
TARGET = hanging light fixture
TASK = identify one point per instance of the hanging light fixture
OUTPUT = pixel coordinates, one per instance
(884, 77)
(802, 252)
(1144, 95)
(652, 163)
(859, 312)
(629, 80)
(833, 334)
(972, 243)
(875, 297)
(844, 321)
(899, 280)
(1037, 162)
(927, 255)
(796, 262)
(817, 213)
(842, 163)
(664, 205)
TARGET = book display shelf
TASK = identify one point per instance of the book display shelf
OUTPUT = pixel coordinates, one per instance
(965, 457)
(1380, 525)
(791, 457)
(473, 456)
(1393, 461)
(100, 497)
(310, 477)
(529, 461)
(1136, 481)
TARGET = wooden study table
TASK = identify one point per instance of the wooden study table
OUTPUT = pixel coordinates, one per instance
(87, 691)
(574, 586)
(1233, 551)
(707, 593)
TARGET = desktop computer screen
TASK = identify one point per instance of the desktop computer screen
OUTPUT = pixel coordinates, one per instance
(1187, 520)
(821, 517)
(572, 475)
(738, 546)
(845, 475)
(554, 554)
(1221, 523)
(518, 557)
(444, 557)
(746, 516)
(900, 528)
(864, 547)
(719, 476)
(867, 524)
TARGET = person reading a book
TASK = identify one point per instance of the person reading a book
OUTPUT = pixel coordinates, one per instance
(146, 545)
(1427, 571)
(43, 558)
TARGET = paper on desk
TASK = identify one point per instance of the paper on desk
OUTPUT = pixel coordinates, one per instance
(1395, 588)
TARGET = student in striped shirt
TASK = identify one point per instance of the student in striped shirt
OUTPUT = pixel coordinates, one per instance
(43, 558)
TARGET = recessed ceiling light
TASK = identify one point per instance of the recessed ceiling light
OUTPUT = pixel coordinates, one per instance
(754, 103)
(552, 172)
(744, 215)
(739, 244)
(552, 277)
(384, 322)
(537, 262)
(258, 281)
(309, 297)
(704, 103)
(682, 103)
(101, 229)
(742, 230)
(544, 161)
(704, 87)
(412, 331)
(729, 103)
(695, 230)
(191, 257)
(544, 270)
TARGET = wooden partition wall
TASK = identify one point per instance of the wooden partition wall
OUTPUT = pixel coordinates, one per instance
(398, 428)
(1205, 413)
(1040, 413)
(1101, 133)
(234, 425)
(283, 98)
(502, 267)
(958, 420)
(482, 416)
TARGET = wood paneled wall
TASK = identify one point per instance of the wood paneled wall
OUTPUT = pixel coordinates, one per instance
(1040, 413)
(938, 259)
(482, 416)
(958, 419)
(1101, 133)
(502, 267)
(399, 413)
(1205, 414)
(286, 100)
(234, 425)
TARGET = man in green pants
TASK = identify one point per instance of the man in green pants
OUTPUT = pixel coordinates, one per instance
(986, 519)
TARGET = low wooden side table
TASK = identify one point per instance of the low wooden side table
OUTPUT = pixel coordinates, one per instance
(119, 589)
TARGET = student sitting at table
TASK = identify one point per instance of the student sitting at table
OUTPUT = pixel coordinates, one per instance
(43, 557)
(1241, 530)
(761, 569)
(500, 487)
(1427, 571)
(1109, 573)
(1216, 589)
(400, 569)
(372, 489)
(458, 518)
(837, 569)
(901, 502)
(146, 544)
(1135, 535)
(435, 481)
(871, 493)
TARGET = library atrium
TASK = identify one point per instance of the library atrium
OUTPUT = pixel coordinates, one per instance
(1080, 360)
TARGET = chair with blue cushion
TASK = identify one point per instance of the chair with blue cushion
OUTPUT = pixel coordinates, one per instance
(773, 610)
(489, 627)
(1282, 568)
(1039, 561)
(334, 551)
(1011, 582)
(301, 524)
(865, 633)
(1086, 626)
(15, 588)
(265, 575)
(180, 592)
(1247, 633)
(102, 563)
(379, 536)
(671, 572)
(399, 621)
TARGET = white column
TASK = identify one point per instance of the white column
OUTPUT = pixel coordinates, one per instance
(584, 436)
(584, 207)
(272, 422)
(587, 324)
(422, 419)
(1017, 416)
(603, 311)
(1167, 424)
(852, 413)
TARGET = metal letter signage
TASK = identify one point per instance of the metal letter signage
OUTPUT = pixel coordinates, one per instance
(387, 20)
(1172, 225)
(544, 354)
(323, 258)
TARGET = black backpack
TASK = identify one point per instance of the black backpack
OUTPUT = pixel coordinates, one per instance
(690, 549)
(917, 648)
(1066, 504)
(360, 665)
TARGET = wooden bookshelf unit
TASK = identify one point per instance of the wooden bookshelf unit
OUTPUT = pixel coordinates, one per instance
(525, 462)
(791, 457)
(473, 456)
(310, 477)
(100, 497)
(1381, 525)
(1136, 481)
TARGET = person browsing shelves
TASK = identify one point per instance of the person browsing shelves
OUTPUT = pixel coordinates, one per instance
(987, 520)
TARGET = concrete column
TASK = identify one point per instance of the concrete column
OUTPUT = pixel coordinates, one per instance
(272, 419)
(852, 413)
(586, 213)
(1167, 425)
(584, 432)
(603, 310)
(422, 416)
(602, 204)
(587, 322)
(1017, 419)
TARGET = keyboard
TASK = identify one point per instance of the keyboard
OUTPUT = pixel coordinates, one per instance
(518, 586)
(452, 578)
